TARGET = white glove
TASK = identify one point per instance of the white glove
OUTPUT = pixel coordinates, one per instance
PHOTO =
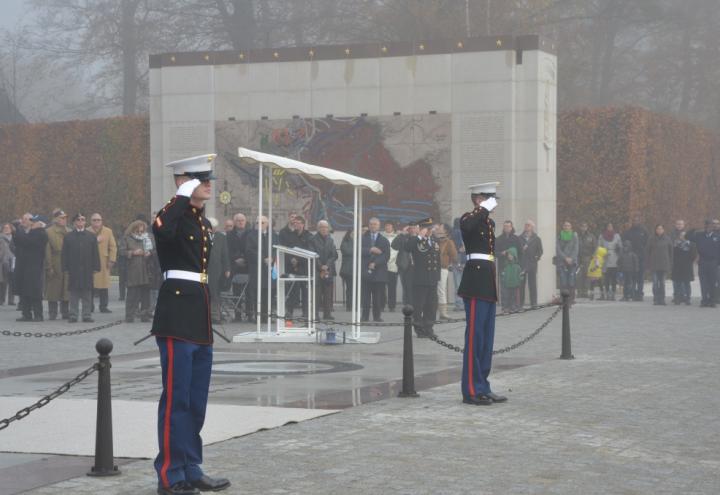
(489, 204)
(187, 188)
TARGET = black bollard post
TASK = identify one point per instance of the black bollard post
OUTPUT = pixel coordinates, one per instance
(566, 344)
(104, 462)
(408, 380)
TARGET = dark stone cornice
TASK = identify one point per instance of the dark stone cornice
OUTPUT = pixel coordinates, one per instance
(353, 51)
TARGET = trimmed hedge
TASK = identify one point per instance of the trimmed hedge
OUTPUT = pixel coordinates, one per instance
(613, 162)
(87, 166)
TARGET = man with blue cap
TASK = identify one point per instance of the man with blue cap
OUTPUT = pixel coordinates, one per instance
(183, 329)
(478, 288)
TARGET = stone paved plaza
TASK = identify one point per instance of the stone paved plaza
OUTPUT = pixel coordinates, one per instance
(635, 413)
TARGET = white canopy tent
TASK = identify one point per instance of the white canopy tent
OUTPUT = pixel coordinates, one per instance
(268, 162)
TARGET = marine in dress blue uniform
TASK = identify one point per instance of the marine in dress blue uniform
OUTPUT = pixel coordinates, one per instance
(183, 330)
(478, 288)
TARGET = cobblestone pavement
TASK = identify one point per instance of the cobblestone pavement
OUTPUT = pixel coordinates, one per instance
(635, 413)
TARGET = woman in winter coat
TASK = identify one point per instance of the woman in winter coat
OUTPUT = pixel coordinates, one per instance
(611, 241)
(137, 247)
(346, 267)
(684, 253)
(659, 259)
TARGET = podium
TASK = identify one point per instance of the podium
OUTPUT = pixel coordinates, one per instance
(282, 331)
(287, 284)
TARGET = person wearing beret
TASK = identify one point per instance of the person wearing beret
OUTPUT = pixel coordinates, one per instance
(478, 288)
(183, 330)
(56, 282)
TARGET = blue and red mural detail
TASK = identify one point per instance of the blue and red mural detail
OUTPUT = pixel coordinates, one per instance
(353, 145)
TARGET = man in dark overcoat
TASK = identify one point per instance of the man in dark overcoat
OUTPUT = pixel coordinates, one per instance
(80, 260)
(30, 240)
(375, 255)
(324, 245)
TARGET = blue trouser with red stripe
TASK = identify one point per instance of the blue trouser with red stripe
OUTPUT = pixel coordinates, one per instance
(186, 371)
(479, 337)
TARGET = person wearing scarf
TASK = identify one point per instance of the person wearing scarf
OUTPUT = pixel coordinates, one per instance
(137, 247)
(566, 258)
(611, 241)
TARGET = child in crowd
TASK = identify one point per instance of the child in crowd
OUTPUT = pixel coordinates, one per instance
(595, 272)
(511, 281)
(628, 266)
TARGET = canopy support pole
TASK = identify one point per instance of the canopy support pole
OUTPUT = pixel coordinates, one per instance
(357, 289)
(258, 302)
(269, 255)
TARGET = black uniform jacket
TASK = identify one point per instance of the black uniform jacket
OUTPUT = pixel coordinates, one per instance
(183, 243)
(426, 260)
(478, 278)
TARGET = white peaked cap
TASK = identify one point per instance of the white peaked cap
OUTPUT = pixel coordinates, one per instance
(484, 188)
(193, 165)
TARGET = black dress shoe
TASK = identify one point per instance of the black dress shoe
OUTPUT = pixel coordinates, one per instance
(105, 310)
(478, 400)
(72, 320)
(208, 484)
(496, 398)
(88, 320)
(179, 488)
(22, 318)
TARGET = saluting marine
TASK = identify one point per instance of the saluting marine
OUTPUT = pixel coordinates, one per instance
(478, 288)
(183, 330)
(425, 253)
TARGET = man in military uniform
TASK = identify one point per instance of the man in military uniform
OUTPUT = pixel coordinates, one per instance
(479, 291)
(183, 330)
(56, 280)
(425, 253)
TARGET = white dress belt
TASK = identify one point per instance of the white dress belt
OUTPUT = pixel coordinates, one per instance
(481, 256)
(185, 275)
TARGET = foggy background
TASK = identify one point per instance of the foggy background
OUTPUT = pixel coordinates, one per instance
(78, 59)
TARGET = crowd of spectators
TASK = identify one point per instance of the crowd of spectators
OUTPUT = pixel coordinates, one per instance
(68, 262)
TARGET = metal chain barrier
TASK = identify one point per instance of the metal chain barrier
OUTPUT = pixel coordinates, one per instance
(22, 413)
(8, 333)
(303, 319)
(509, 348)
